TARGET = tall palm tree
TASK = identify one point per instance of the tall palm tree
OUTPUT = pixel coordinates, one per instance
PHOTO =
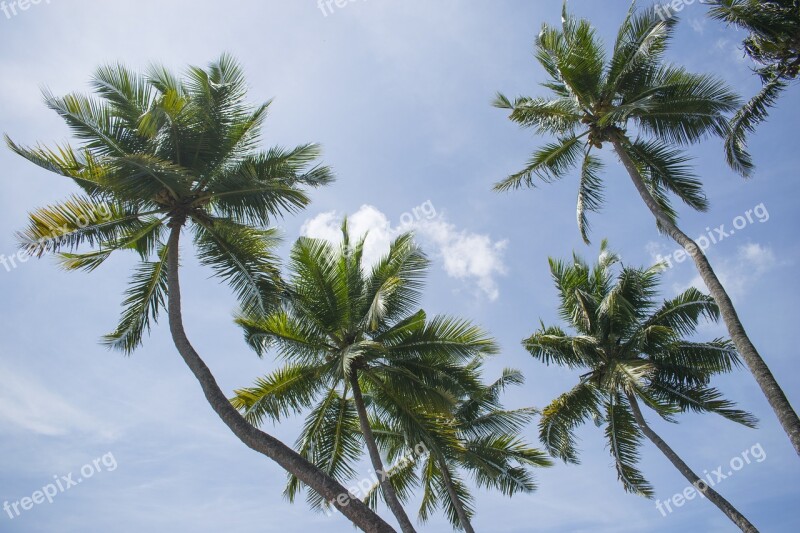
(354, 344)
(479, 436)
(773, 43)
(646, 110)
(632, 349)
(159, 154)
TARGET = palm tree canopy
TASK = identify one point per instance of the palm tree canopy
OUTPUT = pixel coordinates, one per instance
(478, 436)
(632, 95)
(773, 42)
(156, 150)
(628, 344)
(343, 317)
(773, 28)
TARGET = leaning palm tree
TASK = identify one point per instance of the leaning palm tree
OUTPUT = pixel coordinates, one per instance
(646, 110)
(354, 345)
(158, 155)
(479, 436)
(631, 350)
(773, 43)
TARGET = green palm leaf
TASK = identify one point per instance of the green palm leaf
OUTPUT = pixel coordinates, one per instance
(145, 297)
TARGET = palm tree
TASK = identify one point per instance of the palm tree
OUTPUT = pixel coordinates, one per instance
(158, 155)
(632, 349)
(647, 111)
(478, 436)
(354, 344)
(773, 44)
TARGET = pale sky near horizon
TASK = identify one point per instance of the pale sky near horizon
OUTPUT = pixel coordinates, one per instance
(398, 94)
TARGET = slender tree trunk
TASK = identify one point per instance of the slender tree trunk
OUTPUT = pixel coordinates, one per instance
(353, 508)
(700, 485)
(389, 493)
(777, 398)
(451, 490)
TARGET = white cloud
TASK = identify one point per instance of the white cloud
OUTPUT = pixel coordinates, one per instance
(737, 274)
(33, 407)
(658, 251)
(367, 220)
(761, 258)
(468, 257)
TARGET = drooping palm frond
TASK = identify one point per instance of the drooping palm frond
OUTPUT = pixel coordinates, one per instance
(624, 439)
(332, 440)
(773, 43)
(550, 163)
(746, 120)
(76, 222)
(561, 418)
(243, 257)
(145, 297)
(590, 192)
(502, 462)
(282, 393)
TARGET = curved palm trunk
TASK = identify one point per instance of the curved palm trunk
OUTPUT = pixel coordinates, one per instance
(451, 490)
(353, 508)
(769, 385)
(389, 493)
(701, 486)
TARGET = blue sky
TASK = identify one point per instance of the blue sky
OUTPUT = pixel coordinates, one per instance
(398, 93)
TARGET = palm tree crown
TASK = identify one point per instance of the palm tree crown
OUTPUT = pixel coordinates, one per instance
(773, 43)
(160, 151)
(631, 349)
(347, 327)
(633, 97)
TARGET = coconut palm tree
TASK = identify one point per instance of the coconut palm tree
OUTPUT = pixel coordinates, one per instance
(354, 345)
(631, 350)
(479, 436)
(773, 43)
(159, 155)
(646, 110)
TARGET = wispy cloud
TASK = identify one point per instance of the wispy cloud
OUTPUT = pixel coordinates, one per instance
(31, 406)
(698, 25)
(738, 273)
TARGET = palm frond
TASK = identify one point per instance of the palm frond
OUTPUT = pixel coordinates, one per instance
(285, 391)
(549, 163)
(590, 192)
(624, 439)
(243, 257)
(77, 221)
(746, 120)
(145, 297)
(563, 416)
